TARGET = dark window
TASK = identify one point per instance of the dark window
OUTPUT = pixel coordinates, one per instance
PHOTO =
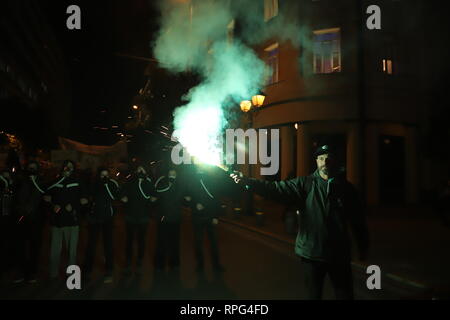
(392, 169)
(272, 60)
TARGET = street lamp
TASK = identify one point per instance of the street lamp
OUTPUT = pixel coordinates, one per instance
(136, 108)
(258, 100)
(246, 105)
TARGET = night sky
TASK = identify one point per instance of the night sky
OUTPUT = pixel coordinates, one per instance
(104, 83)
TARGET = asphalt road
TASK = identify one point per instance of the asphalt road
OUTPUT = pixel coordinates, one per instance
(257, 268)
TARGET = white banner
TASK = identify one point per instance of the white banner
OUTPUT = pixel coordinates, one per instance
(89, 156)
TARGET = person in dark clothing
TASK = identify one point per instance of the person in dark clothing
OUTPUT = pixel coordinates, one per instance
(67, 196)
(103, 193)
(29, 223)
(7, 188)
(328, 204)
(7, 193)
(170, 193)
(204, 190)
(137, 195)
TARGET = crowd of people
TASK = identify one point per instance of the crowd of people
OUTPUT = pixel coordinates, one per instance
(330, 214)
(30, 200)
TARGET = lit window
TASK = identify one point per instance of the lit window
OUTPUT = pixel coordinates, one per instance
(270, 9)
(272, 62)
(387, 66)
(327, 51)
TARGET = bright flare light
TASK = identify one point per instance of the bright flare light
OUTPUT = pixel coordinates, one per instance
(199, 131)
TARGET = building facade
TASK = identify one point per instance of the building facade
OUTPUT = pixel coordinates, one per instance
(356, 88)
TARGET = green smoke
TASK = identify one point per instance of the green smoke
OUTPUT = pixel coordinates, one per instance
(187, 27)
(235, 72)
(193, 37)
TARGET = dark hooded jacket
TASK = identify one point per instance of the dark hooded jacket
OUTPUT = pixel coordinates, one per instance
(207, 186)
(29, 195)
(328, 209)
(7, 192)
(138, 191)
(103, 194)
(170, 194)
(66, 191)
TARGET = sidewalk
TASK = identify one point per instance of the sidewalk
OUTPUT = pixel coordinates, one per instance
(410, 245)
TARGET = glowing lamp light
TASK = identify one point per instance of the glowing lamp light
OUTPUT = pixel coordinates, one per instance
(246, 105)
(258, 100)
(135, 107)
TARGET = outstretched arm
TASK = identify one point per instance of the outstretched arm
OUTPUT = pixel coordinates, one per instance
(284, 191)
